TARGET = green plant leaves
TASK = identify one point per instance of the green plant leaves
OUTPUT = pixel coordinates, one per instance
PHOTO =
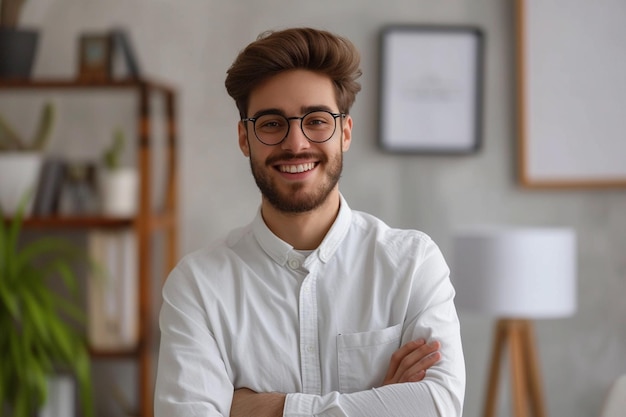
(38, 327)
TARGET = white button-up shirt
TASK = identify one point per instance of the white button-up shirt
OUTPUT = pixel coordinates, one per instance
(250, 311)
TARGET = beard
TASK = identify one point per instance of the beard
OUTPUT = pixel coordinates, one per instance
(295, 198)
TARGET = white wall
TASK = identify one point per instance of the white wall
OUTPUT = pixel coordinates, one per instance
(191, 44)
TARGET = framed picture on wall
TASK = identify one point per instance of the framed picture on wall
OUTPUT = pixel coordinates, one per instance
(570, 105)
(430, 89)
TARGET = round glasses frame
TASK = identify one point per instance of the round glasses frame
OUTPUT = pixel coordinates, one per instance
(288, 119)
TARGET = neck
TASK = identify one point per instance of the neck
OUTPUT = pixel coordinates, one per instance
(303, 231)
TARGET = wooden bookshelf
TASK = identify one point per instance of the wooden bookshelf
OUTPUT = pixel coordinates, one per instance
(144, 224)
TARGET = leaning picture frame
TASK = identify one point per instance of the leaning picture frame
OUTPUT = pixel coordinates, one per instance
(431, 89)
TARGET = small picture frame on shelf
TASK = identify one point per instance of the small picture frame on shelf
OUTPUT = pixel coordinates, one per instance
(94, 57)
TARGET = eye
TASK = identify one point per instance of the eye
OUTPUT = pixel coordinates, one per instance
(318, 120)
(270, 122)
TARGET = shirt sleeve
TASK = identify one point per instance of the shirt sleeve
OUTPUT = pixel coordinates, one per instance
(441, 392)
(192, 379)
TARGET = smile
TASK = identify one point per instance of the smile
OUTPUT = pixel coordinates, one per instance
(296, 169)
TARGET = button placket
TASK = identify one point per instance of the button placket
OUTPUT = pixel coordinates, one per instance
(309, 356)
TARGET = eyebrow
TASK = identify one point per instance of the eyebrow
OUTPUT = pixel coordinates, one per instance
(303, 110)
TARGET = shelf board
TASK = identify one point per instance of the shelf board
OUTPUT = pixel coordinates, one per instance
(155, 222)
(75, 222)
(79, 84)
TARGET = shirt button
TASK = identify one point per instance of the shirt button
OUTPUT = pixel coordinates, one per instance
(294, 264)
(310, 348)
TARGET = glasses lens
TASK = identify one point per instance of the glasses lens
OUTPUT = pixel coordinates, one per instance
(271, 128)
(318, 126)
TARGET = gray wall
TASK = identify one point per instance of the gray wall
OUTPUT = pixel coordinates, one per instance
(191, 44)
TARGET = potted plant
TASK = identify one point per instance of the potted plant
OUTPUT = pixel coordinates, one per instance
(39, 336)
(21, 160)
(118, 184)
(17, 46)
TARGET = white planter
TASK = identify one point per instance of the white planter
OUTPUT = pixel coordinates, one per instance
(119, 192)
(61, 397)
(19, 174)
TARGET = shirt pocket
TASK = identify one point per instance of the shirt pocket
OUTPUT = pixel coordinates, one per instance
(363, 358)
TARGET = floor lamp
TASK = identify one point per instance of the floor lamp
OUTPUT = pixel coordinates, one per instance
(515, 275)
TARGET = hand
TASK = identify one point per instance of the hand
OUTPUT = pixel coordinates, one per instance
(410, 362)
(247, 403)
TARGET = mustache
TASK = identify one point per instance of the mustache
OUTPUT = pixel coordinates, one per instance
(288, 156)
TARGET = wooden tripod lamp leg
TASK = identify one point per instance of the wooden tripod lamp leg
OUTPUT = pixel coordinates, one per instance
(499, 340)
(535, 389)
(518, 372)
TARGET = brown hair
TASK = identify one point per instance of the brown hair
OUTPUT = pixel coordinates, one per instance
(298, 48)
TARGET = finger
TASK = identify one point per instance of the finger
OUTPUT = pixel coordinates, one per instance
(410, 363)
(404, 357)
(418, 371)
(414, 356)
(400, 354)
(417, 377)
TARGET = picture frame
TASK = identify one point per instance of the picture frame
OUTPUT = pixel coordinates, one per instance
(431, 81)
(570, 119)
(94, 56)
(124, 51)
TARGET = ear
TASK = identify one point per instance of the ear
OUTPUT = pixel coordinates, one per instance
(243, 139)
(346, 136)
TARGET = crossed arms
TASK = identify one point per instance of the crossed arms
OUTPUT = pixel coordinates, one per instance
(407, 364)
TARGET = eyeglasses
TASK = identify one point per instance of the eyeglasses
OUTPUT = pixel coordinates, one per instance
(318, 126)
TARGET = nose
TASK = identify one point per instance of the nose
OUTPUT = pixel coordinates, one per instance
(295, 140)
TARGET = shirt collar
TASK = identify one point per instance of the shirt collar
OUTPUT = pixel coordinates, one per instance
(279, 250)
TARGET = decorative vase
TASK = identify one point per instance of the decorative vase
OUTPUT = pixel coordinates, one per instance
(19, 175)
(119, 189)
(61, 397)
(17, 52)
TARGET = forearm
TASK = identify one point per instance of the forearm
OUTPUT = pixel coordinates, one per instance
(247, 403)
(423, 399)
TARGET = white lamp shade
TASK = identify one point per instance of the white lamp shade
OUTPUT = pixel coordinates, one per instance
(515, 272)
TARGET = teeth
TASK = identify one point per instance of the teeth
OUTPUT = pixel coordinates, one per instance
(293, 169)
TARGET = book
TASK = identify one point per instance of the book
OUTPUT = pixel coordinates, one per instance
(49, 186)
(112, 297)
(79, 193)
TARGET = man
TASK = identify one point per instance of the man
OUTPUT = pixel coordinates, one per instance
(312, 309)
